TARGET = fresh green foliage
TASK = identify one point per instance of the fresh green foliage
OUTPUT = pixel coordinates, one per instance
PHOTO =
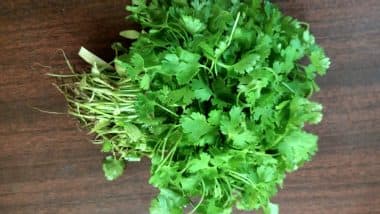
(215, 93)
(113, 168)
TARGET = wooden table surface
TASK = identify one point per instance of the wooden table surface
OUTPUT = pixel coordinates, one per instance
(47, 165)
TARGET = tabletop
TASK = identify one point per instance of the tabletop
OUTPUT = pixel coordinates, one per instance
(48, 165)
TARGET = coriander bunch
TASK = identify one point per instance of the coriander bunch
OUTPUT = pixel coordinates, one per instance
(215, 93)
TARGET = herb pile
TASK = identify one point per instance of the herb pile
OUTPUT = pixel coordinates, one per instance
(215, 93)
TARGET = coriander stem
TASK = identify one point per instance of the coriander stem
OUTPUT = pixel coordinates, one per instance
(224, 65)
(63, 75)
(164, 144)
(241, 177)
(215, 62)
(167, 157)
(191, 202)
(288, 87)
(46, 111)
(166, 109)
(205, 67)
(67, 61)
(233, 29)
(202, 198)
(151, 67)
(82, 116)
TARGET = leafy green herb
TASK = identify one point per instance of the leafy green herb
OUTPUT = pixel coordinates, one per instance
(113, 168)
(215, 93)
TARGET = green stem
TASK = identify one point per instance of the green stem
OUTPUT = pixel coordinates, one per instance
(165, 141)
(288, 87)
(241, 177)
(202, 198)
(233, 29)
(205, 67)
(64, 75)
(167, 157)
(167, 110)
(151, 67)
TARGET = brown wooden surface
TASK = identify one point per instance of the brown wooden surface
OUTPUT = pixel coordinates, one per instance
(47, 165)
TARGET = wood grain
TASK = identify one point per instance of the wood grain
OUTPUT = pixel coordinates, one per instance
(47, 165)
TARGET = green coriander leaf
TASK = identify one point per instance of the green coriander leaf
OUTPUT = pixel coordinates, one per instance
(201, 90)
(297, 148)
(189, 184)
(123, 69)
(266, 173)
(137, 61)
(236, 115)
(168, 201)
(195, 126)
(302, 110)
(179, 97)
(144, 106)
(213, 207)
(222, 46)
(246, 64)
(162, 177)
(320, 61)
(214, 117)
(145, 82)
(307, 37)
(184, 65)
(133, 132)
(188, 67)
(170, 64)
(113, 168)
(192, 25)
(107, 146)
(199, 164)
(243, 138)
(272, 209)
